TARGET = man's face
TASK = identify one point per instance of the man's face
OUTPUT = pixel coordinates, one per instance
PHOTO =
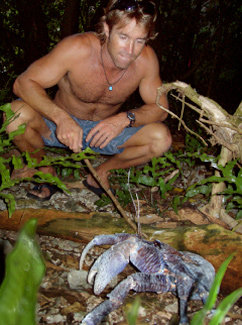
(125, 44)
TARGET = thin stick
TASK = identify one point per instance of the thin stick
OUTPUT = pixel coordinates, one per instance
(181, 121)
(234, 128)
(231, 147)
(182, 111)
(137, 209)
(112, 197)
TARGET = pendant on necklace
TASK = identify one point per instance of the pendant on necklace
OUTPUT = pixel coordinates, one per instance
(110, 88)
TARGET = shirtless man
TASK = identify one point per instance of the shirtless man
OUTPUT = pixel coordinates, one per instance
(95, 73)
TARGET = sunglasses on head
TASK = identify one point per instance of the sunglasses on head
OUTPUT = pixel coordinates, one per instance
(131, 5)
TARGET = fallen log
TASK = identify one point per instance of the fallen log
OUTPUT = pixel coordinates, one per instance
(211, 241)
(80, 227)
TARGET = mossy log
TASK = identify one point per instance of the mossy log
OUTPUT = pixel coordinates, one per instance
(211, 241)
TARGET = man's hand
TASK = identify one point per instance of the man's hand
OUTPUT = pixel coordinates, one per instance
(70, 134)
(107, 130)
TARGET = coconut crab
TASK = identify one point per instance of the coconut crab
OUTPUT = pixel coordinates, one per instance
(161, 269)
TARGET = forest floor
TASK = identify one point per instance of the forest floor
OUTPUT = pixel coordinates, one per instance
(61, 299)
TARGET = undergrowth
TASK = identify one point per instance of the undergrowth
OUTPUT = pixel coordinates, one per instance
(7, 163)
(161, 173)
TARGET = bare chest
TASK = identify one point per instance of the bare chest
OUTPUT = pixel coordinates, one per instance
(90, 85)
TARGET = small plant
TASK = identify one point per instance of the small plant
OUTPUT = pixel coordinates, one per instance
(68, 161)
(157, 173)
(232, 177)
(5, 144)
(132, 311)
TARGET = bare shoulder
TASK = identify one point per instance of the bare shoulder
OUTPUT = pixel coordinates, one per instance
(66, 56)
(148, 58)
(81, 45)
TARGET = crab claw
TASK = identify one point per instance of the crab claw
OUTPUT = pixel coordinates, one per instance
(90, 245)
(106, 267)
(102, 240)
(93, 271)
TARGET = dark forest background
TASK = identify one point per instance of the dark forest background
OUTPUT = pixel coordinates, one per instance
(199, 42)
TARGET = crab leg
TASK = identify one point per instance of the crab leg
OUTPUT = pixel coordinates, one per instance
(102, 240)
(138, 282)
(184, 290)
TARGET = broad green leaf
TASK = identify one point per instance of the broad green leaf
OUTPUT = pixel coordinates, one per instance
(217, 282)
(42, 177)
(225, 306)
(76, 174)
(25, 269)
(239, 215)
(227, 170)
(198, 319)
(7, 110)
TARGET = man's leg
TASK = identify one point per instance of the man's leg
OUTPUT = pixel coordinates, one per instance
(31, 140)
(151, 141)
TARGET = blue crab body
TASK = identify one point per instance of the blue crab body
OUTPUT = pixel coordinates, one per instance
(161, 269)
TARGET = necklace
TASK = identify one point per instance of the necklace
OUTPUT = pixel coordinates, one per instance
(110, 85)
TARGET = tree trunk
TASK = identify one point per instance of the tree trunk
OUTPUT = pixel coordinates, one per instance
(35, 40)
(70, 23)
(216, 203)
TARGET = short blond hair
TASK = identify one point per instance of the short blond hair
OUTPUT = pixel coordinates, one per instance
(123, 17)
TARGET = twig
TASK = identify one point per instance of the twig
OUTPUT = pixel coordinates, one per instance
(137, 209)
(22, 217)
(228, 126)
(112, 197)
(196, 109)
(173, 174)
(182, 111)
(231, 147)
(181, 121)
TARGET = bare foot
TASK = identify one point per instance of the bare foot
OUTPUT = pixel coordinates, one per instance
(42, 192)
(103, 177)
(92, 182)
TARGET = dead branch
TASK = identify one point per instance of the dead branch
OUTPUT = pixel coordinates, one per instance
(181, 121)
(235, 128)
(216, 116)
(195, 108)
(218, 139)
(225, 130)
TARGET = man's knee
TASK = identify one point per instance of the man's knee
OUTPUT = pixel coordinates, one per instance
(23, 114)
(160, 139)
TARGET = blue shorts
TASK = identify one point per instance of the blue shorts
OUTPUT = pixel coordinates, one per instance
(112, 148)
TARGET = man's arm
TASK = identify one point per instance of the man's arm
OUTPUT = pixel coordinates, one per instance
(150, 112)
(44, 73)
